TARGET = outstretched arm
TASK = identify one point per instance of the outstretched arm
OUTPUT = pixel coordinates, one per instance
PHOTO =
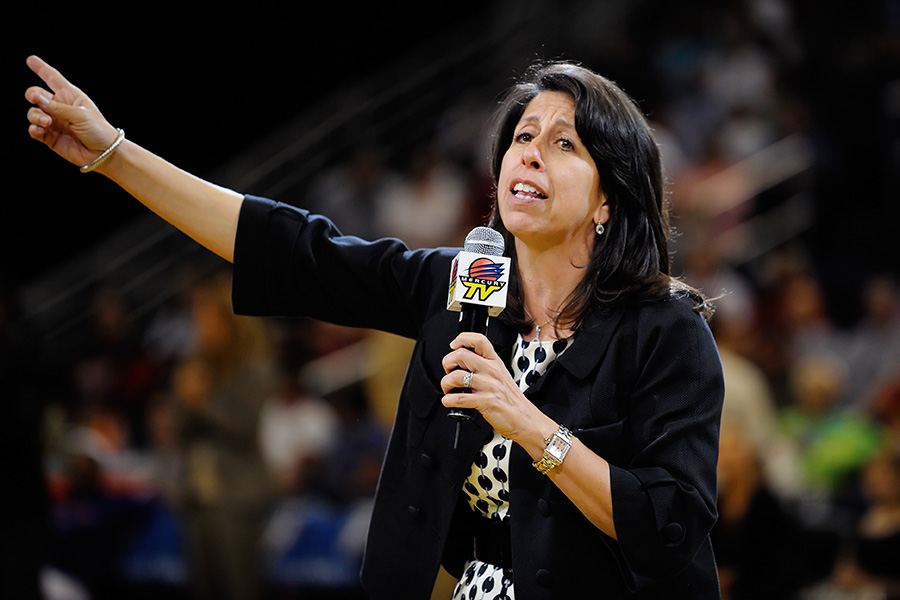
(70, 124)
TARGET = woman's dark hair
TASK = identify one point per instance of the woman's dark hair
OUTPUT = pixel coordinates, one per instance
(630, 262)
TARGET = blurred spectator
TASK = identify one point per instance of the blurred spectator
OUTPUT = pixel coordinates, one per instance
(740, 74)
(793, 322)
(873, 348)
(315, 539)
(115, 376)
(745, 133)
(92, 525)
(833, 442)
(165, 461)
(428, 206)
(349, 471)
(804, 315)
(296, 429)
(459, 132)
(169, 336)
(754, 538)
(692, 114)
(749, 401)
(707, 269)
(886, 409)
(226, 489)
(871, 566)
(877, 552)
(351, 193)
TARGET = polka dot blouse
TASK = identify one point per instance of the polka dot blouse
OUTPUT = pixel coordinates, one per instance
(486, 488)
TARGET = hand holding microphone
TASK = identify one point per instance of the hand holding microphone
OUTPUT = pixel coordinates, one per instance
(479, 279)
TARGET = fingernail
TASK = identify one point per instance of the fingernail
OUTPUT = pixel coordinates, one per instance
(45, 121)
(44, 99)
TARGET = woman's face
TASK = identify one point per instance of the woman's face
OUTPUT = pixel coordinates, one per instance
(548, 191)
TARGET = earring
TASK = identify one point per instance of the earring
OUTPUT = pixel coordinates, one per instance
(599, 228)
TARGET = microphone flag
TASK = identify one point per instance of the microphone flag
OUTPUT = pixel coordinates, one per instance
(479, 279)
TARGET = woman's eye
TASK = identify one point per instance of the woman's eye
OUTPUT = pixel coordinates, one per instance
(566, 144)
(523, 137)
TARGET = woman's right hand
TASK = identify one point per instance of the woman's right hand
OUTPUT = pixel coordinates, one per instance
(66, 120)
(72, 126)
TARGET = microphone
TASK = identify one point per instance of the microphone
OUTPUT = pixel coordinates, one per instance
(478, 287)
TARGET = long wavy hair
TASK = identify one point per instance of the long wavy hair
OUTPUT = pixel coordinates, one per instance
(630, 262)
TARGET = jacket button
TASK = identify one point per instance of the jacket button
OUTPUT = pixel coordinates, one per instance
(543, 507)
(672, 533)
(544, 577)
(415, 512)
(427, 462)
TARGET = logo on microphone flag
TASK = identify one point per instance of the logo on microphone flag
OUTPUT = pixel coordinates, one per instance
(479, 279)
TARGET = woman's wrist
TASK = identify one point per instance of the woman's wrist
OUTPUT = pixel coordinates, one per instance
(534, 438)
(116, 160)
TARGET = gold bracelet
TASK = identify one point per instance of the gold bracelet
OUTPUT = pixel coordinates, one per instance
(102, 158)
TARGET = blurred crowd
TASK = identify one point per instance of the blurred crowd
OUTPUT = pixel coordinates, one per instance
(216, 456)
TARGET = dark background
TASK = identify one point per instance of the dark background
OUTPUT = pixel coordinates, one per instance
(199, 85)
(194, 85)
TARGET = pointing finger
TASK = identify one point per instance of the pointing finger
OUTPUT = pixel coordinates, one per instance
(53, 78)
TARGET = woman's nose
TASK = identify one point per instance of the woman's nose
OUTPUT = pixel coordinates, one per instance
(532, 157)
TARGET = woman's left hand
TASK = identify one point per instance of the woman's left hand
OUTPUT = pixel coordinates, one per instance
(493, 392)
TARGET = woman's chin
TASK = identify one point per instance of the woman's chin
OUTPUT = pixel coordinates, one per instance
(521, 225)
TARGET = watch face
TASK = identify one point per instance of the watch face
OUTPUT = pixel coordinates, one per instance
(557, 447)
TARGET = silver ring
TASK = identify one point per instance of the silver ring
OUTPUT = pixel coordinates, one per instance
(467, 380)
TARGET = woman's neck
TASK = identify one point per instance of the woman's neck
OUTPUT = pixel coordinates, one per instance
(548, 279)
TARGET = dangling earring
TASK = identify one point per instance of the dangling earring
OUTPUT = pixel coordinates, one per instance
(599, 228)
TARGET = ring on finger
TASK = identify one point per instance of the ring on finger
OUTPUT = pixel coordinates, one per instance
(467, 380)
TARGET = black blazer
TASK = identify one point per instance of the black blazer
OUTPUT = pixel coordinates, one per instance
(641, 386)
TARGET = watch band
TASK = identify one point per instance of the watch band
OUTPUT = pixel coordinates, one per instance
(558, 446)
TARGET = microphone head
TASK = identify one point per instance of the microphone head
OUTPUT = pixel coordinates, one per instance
(484, 240)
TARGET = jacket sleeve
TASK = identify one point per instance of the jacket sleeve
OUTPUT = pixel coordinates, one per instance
(289, 262)
(664, 498)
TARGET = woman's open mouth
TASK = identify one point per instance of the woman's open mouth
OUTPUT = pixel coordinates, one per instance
(527, 191)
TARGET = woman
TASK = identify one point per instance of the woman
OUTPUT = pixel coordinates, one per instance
(622, 427)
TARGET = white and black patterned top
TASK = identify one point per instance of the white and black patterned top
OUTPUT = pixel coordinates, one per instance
(487, 486)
